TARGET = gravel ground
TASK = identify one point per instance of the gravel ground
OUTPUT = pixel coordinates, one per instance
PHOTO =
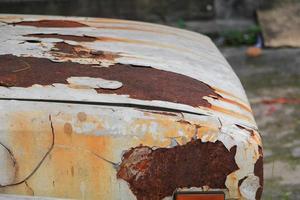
(275, 75)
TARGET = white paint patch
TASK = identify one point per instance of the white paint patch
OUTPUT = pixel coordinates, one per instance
(249, 187)
(95, 82)
(246, 155)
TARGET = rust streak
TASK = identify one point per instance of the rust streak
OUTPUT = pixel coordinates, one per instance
(51, 23)
(155, 174)
(242, 106)
(76, 38)
(85, 38)
(131, 41)
(162, 113)
(230, 112)
(219, 91)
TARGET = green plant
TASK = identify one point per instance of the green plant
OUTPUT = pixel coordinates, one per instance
(236, 37)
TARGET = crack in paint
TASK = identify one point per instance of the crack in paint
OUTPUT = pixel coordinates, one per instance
(41, 161)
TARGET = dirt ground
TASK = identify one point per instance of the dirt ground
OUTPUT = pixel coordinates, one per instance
(272, 83)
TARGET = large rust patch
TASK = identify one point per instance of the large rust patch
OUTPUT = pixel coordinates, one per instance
(155, 174)
(144, 83)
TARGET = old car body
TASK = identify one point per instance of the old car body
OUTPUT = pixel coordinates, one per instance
(94, 108)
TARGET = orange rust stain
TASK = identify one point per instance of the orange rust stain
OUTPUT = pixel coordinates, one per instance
(242, 106)
(220, 91)
(131, 29)
(113, 39)
(256, 137)
(230, 112)
(209, 132)
(89, 171)
(10, 17)
(73, 165)
(169, 127)
(76, 165)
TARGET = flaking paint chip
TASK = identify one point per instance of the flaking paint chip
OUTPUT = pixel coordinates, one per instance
(95, 82)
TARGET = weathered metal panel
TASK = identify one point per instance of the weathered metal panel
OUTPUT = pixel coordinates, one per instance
(112, 109)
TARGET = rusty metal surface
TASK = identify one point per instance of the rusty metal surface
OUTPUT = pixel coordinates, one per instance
(112, 109)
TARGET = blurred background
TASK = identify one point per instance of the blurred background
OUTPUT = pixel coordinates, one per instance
(261, 41)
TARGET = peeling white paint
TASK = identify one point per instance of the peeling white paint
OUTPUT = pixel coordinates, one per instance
(145, 44)
(249, 187)
(95, 82)
(192, 54)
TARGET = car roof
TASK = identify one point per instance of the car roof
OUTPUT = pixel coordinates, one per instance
(109, 61)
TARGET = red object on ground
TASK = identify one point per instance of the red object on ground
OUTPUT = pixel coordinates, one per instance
(281, 100)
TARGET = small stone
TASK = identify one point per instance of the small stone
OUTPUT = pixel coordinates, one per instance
(296, 152)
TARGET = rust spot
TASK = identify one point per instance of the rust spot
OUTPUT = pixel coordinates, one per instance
(64, 50)
(258, 171)
(138, 82)
(68, 128)
(155, 174)
(81, 116)
(162, 113)
(64, 37)
(51, 23)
